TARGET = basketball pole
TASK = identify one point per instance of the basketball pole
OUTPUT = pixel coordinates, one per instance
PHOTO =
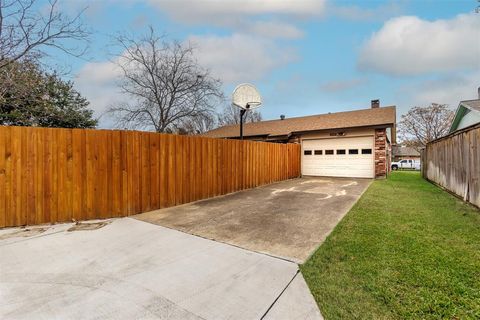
(242, 112)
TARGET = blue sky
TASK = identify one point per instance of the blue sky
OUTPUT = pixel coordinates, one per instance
(305, 56)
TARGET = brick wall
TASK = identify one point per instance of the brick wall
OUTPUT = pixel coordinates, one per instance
(381, 161)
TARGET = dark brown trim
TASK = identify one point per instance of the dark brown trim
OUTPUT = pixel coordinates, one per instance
(282, 137)
(295, 133)
(379, 126)
(261, 136)
(339, 137)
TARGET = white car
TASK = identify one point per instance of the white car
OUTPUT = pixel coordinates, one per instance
(406, 164)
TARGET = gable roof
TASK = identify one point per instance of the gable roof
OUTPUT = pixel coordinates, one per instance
(384, 116)
(404, 151)
(463, 108)
(471, 104)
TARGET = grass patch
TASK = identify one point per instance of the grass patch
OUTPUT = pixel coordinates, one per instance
(406, 250)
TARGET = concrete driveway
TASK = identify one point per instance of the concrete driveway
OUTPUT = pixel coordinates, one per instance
(289, 219)
(129, 269)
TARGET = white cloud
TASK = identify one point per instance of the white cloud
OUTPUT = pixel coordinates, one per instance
(240, 57)
(97, 81)
(357, 13)
(449, 89)
(409, 45)
(266, 18)
(99, 72)
(225, 11)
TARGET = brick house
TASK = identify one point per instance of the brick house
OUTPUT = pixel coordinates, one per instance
(342, 144)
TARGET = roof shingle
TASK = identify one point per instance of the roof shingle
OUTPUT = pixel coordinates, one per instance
(404, 151)
(337, 120)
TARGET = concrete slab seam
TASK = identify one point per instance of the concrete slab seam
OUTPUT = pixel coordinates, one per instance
(278, 297)
(222, 242)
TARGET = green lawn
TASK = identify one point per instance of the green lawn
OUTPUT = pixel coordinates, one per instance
(406, 250)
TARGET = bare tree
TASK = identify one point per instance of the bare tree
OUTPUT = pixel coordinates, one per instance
(167, 86)
(421, 125)
(198, 125)
(26, 33)
(231, 115)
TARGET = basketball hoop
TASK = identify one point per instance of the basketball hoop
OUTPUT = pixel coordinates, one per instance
(246, 97)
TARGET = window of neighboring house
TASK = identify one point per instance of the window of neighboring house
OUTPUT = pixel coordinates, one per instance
(318, 152)
(307, 152)
(340, 151)
(352, 151)
(329, 152)
(366, 151)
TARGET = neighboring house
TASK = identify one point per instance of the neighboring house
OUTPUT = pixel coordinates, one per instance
(404, 153)
(343, 144)
(467, 114)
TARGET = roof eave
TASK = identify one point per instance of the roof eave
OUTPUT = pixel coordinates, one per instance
(376, 126)
(287, 135)
(277, 137)
(245, 136)
(458, 116)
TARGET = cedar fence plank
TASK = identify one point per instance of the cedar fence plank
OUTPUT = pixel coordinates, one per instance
(52, 175)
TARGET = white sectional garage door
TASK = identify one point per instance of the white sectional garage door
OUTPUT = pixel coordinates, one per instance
(338, 157)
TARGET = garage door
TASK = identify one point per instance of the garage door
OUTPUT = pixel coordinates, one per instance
(338, 157)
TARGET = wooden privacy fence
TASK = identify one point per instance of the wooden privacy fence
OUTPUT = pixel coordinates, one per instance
(453, 162)
(53, 175)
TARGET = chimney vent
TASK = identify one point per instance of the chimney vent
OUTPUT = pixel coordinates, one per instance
(375, 103)
(282, 117)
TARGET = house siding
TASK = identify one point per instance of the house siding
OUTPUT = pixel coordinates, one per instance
(347, 132)
(470, 118)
